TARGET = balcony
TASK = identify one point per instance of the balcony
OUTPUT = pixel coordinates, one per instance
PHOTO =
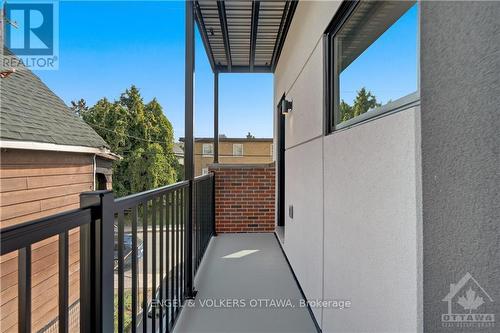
(392, 210)
(133, 272)
(243, 284)
(117, 287)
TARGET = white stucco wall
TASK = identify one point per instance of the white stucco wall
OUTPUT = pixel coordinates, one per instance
(370, 225)
(304, 233)
(355, 233)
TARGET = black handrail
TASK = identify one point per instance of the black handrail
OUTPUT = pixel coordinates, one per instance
(24, 234)
(198, 179)
(137, 198)
(159, 217)
(89, 220)
(203, 225)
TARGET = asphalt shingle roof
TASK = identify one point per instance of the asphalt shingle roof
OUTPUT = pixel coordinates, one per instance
(30, 111)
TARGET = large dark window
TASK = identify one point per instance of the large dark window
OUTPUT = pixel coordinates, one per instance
(372, 60)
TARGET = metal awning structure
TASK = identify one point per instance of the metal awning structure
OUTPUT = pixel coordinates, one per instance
(242, 36)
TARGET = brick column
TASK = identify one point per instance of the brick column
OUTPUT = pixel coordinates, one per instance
(244, 197)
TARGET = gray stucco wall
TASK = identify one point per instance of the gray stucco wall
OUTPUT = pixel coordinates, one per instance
(460, 104)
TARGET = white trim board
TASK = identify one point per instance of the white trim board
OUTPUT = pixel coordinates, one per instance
(30, 145)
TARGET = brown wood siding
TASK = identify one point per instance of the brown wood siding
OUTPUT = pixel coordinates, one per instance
(35, 184)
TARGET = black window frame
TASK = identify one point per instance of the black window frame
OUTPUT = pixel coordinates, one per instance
(343, 13)
(331, 105)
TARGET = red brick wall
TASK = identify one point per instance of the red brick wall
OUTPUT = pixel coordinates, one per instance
(244, 197)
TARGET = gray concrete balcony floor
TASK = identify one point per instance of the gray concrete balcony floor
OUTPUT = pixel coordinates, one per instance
(232, 269)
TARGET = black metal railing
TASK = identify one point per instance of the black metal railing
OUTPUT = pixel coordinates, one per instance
(93, 255)
(133, 256)
(204, 214)
(155, 221)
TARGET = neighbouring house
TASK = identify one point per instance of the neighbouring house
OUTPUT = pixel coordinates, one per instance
(231, 151)
(179, 152)
(49, 156)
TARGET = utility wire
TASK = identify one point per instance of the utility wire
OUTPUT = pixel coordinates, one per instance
(129, 136)
(164, 142)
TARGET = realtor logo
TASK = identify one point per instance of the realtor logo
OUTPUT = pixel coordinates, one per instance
(31, 33)
(468, 303)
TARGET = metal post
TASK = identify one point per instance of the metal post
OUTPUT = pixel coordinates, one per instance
(214, 205)
(216, 117)
(189, 146)
(97, 292)
(24, 290)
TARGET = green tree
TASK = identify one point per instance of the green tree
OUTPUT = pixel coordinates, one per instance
(363, 102)
(141, 134)
(345, 111)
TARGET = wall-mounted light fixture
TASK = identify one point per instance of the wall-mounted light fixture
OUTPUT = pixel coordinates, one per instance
(286, 106)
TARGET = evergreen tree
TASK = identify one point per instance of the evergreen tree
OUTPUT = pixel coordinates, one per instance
(363, 102)
(141, 134)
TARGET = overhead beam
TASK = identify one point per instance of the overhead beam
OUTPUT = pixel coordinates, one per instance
(253, 34)
(221, 7)
(244, 69)
(286, 21)
(216, 117)
(204, 34)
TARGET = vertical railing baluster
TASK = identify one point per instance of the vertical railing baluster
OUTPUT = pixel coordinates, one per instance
(183, 250)
(177, 250)
(202, 220)
(145, 268)
(180, 213)
(208, 205)
(172, 255)
(153, 264)
(85, 279)
(160, 291)
(120, 254)
(24, 290)
(199, 221)
(177, 254)
(214, 206)
(63, 282)
(134, 269)
(167, 261)
(97, 292)
(195, 225)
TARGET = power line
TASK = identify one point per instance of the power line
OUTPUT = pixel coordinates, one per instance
(129, 136)
(163, 142)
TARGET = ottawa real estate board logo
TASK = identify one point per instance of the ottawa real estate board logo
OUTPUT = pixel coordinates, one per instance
(468, 305)
(30, 31)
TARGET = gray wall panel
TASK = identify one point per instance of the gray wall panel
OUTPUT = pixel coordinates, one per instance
(460, 80)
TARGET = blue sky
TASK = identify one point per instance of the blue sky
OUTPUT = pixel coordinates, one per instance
(388, 68)
(104, 47)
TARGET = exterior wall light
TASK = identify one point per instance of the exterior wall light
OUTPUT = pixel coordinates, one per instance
(286, 106)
